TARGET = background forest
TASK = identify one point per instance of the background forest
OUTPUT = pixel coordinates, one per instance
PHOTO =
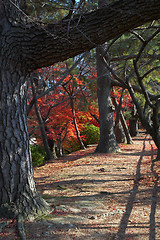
(63, 107)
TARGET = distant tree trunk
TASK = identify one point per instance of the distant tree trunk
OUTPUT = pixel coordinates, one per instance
(125, 128)
(133, 127)
(51, 144)
(123, 122)
(52, 147)
(133, 122)
(154, 129)
(75, 124)
(41, 124)
(60, 148)
(120, 135)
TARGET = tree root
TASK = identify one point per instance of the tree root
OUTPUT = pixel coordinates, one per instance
(20, 227)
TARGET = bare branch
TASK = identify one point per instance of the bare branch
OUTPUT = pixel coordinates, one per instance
(113, 72)
(29, 107)
(138, 36)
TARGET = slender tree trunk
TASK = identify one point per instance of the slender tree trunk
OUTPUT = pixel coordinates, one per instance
(41, 124)
(123, 122)
(125, 128)
(133, 122)
(75, 125)
(60, 148)
(18, 194)
(52, 147)
(120, 135)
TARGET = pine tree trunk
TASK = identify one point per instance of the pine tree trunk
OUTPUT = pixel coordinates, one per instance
(107, 142)
(17, 188)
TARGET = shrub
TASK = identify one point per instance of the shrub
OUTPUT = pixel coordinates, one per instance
(71, 145)
(38, 155)
(91, 133)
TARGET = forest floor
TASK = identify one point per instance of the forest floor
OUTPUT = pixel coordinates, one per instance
(99, 196)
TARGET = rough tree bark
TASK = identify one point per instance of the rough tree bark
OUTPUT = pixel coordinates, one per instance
(107, 142)
(26, 46)
(17, 187)
(18, 194)
(46, 45)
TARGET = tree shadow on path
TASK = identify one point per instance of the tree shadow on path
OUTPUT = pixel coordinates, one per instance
(121, 234)
(152, 233)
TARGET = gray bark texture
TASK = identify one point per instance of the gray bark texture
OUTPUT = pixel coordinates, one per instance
(17, 187)
(43, 45)
(107, 142)
(18, 194)
(26, 46)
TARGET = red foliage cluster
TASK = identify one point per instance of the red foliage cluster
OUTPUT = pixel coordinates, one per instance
(56, 107)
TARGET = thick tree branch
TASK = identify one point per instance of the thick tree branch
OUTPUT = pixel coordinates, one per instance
(117, 81)
(45, 45)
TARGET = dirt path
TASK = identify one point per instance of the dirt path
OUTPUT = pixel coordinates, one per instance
(100, 196)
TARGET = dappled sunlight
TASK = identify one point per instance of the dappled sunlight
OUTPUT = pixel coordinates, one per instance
(114, 194)
(101, 196)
